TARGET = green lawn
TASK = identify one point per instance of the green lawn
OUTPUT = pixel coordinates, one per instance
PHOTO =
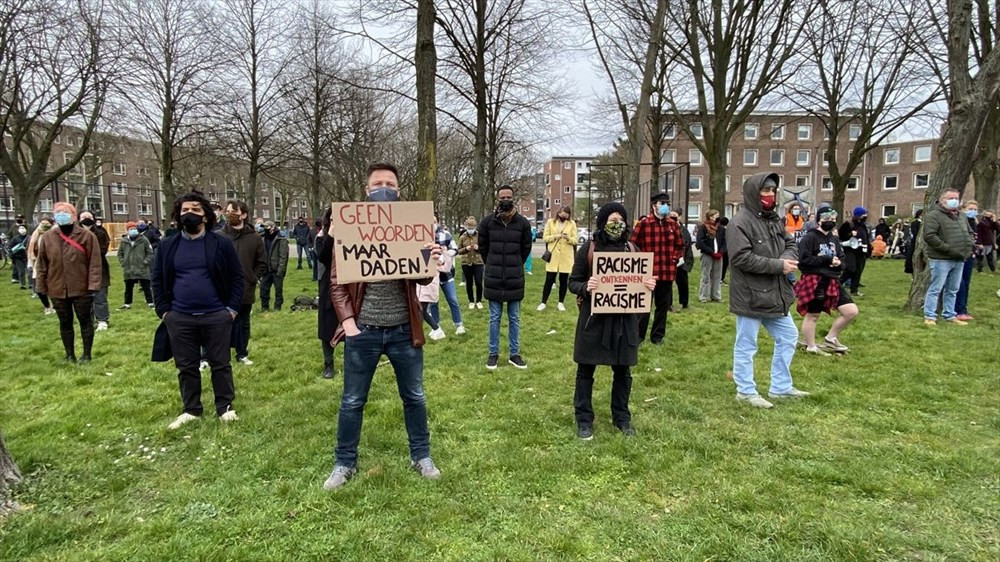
(895, 457)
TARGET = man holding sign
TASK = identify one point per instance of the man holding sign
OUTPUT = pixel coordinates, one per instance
(616, 285)
(380, 314)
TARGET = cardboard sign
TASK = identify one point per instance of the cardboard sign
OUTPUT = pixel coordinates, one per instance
(382, 241)
(620, 288)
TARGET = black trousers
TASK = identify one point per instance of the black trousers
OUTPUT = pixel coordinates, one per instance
(621, 389)
(725, 264)
(328, 355)
(663, 294)
(189, 335)
(425, 311)
(240, 337)
(682, 288)
(550, 279)
(83, 307)
(473, 274)
(21, 271)
(854, 266)
(130, 287)
(266, 282)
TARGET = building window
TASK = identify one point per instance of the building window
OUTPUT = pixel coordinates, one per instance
(557, 202)
(694, 183)
(727, 183)
(581, 178)
(915, 207)
(694, 156)
(119, 208)
(568, 189)
(729, 157)
(802, 157)
(567, 165)
(7, 204)
(826, 156)
(146, 191)
(668, 156)
(547, 179)
(921, 181)
(922, 153)
(890, 182)
(805, 131)
(145, 209)
(694, 211)
(45, 205)
(827, 184)
(777, 131)
(854, 132)
(751, 131)
(777, 157)
(69, 140)
(95, 190)
(697, 130)
(119, 188)
(119, 169)
(801, 181)
(557, 177)
(750, 157)
(853, 183)
(264, 201)
(891, 156)
(670, 132)
(888, 210)
(266, 213)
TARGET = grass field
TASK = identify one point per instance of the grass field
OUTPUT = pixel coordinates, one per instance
(895, 457)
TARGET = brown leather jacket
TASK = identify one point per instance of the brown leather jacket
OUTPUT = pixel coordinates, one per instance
(347, 299)
(62, 271)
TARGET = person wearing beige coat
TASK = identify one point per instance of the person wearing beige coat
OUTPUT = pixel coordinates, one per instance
(561, 240)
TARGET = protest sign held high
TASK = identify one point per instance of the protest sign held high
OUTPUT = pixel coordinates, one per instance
(382, 241)
(620, 287)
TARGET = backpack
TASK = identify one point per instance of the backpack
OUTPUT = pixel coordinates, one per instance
(631, 247)
(305, 302)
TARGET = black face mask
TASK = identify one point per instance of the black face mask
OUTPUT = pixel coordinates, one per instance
(87, 222)
(191, 222)
(828, 226)
(505, 206)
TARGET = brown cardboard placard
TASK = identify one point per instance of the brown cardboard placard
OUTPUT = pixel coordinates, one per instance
(382, 241)
(620, 288)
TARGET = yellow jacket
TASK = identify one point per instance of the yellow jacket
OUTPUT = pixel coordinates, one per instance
(563, 250)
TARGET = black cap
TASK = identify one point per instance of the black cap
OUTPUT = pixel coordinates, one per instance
(659, 196)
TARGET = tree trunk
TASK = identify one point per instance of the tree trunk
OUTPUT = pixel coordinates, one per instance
(9, 475)
(425, 60)
(717, 181)
(27, 198)
(986, 168)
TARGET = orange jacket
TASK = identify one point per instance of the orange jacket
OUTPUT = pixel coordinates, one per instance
(794, 223)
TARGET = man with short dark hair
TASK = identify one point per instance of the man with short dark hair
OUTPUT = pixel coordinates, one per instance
(197, 289)
(301, 235)
(505, 243)
(253, 260)
(380, 318)
(658, 234)
(102, 311)
(276, 249)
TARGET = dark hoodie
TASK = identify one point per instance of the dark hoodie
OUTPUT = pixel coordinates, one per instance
(253, 258)
(757, 244)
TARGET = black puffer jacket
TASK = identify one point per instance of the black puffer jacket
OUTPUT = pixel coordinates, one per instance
(504, 248)
(757, 245)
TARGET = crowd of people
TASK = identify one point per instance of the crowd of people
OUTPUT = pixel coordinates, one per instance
(203, 277)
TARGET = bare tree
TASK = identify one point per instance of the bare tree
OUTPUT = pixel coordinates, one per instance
(863, 77)
(986, 166)
(54, 73)
(971, 94)
(425, 66)
(172, 60)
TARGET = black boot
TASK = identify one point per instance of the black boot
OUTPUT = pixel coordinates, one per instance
(329, 371)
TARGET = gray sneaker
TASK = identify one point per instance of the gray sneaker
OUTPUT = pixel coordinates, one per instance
(792, 393)
(426, 468)
(340, 475)
(754, 400)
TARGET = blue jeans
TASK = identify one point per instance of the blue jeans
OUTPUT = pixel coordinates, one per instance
(452, 297)
(785, 335)
(361, 356)
(962, 298)
(946, 276)
(513, 326)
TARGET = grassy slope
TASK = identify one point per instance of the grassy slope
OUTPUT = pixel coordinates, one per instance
(895, 457)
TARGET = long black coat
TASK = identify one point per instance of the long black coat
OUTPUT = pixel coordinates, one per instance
(601, 339)
(504, 247)
(328, 321)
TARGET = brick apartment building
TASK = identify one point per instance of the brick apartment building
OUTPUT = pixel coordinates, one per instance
(561, 180)
(891, 180)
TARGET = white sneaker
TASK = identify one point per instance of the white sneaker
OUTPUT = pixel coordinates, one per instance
(460, 329)
(101, 326)
(472, 305)
(835, 344)
(561, 307)
(151, 305)
(817, 351)
(437, 334)
(203, 366)
(245, 360)
(754, 400)
(126, 306)
(50, 311)
(462, 284)
(792, 393)
(228, 416)
(541, 307)
(479, 305)
(181, 420)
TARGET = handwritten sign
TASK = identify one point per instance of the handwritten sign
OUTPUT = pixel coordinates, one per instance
(382, 241)
(620, 288)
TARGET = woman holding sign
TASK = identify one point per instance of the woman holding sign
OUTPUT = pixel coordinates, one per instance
(604, 339)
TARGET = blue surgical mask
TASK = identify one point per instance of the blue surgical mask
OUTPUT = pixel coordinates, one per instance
(951, 203)
(663, 210)
(259, 228)
(383, 195)
(63, 218)
(972, 213)
(133, 232)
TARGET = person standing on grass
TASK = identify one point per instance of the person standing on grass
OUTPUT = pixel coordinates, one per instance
(685, 264)
(912, 246)
(102, 310)
(44, 225)
(657, 234)
(326, 316)
(135, 254)
(446, 278)
(970, 211)
(68, 270)
(18, 223)
(472, 263)
(706, 238)
(604, 339)
(300, 232)
(380, 318)
(762, 254)
(986, 236)
(821, 260)
(529, 263)
(504, 243)
(18, 245)
(856, 239)
(253, 260)
(428, 296)
(949, 242)
(198, 288)
(721, 237)
(276, 250)
(560, 240)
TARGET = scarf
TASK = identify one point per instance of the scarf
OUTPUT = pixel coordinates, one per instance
(505, 217)
(711, 228)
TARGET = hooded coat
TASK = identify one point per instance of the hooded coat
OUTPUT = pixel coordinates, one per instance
(135, 257)
(253, 259)
(758, 243)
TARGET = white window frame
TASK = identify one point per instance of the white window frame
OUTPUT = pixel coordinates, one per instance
(777, 131)
(750, 152)
(886, 177)
(699, 161)
(45, 205)
(697, 213)
(119, 208)
(800, 176)
(895, 209)
(698, 130)
(567, 165)
(914, 207)
(265, 201)
(826, 183)
(727, 183)
(671, 132)
(557, 202)
(119, 168)
(663, 156)
(699, 180)
(891, 150)
(807, 128)
(927, 183)
(916, 152)
(748, 127)
(265, 213)
(729, 157)
(781, 156)
(146, 209)
(857, 183)
(119, 188)
(800, 152)
(851, 134)
(826, 156)
(568, 189)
